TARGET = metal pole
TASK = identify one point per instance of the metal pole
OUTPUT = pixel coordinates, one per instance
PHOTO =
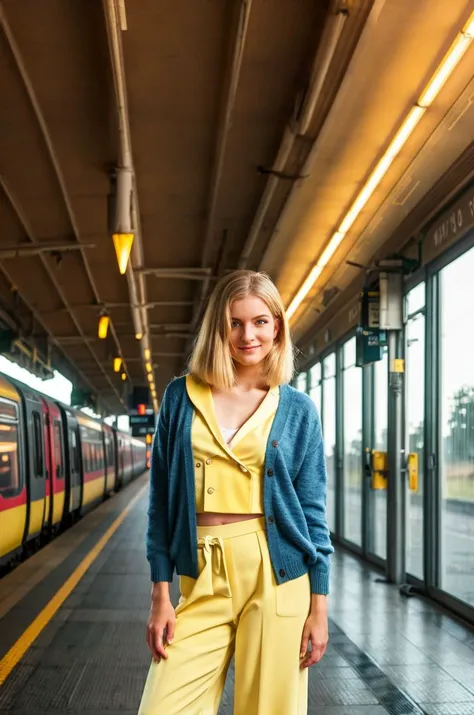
(396, 483)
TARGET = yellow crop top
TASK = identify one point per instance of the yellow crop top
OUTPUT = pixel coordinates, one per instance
(229, 478)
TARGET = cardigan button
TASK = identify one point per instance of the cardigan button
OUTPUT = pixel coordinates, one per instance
(270, 472)
(211, 490)
(271, 520)
(275, 443)
(282, 572)
(208, 461)
(198, 464)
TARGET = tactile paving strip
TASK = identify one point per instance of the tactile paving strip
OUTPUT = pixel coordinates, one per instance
(394, 700)
(448, 708)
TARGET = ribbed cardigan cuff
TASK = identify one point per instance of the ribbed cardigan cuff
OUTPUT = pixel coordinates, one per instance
(161, 569)
(319, 580)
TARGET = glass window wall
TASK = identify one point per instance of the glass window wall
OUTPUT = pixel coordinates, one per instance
(300, 382)
(456, 574)
(379, 496)
(415, 422)
(329, 434)
(315, 385)
(352, 444)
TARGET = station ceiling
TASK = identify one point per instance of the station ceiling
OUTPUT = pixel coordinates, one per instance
(250, 127)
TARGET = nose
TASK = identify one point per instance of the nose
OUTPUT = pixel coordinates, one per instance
(248, 332)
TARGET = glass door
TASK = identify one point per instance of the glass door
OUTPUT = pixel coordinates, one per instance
(329, 434)
(352, 477)
(378, 497)
(315, 386)
(455, 569)
(415, 425)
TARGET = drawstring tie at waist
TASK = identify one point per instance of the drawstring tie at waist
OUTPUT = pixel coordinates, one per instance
(214, 578)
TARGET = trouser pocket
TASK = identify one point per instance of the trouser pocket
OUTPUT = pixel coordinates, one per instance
(293, 598)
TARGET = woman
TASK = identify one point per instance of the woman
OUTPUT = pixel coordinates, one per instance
(237, 507)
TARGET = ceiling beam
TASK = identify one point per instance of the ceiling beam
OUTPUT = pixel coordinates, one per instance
(168, 355)
(36, 249)
(29, 232)
(37, 317)
(190, 274)
(151, 305)
(171, 327)
(57, 168)
(298, 126)
(136, 283)
(241, 17)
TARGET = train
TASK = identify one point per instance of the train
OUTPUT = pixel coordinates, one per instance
(56, 463)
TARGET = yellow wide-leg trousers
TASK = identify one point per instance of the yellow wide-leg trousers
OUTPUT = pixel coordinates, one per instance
(234, 608)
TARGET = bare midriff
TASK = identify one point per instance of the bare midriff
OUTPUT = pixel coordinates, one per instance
(214, 519)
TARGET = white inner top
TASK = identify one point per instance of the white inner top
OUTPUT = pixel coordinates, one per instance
(228, 434)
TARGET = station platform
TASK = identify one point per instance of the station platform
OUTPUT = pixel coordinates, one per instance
(72, 632)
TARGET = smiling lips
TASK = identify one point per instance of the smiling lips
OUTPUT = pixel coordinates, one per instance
(249, 348)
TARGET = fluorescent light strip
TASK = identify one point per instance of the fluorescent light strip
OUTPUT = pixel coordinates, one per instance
(440, 77)
(447, 66)
(304, 290)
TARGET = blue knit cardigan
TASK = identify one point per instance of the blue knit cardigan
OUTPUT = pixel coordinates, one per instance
(294, 491)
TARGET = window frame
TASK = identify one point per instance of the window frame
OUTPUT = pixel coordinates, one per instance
(11, 493)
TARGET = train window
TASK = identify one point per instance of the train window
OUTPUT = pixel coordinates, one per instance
(109, 451)
(38, 444)
(74, 452)
(101, 456)
(8, 411)
(86, 456)
(93, 458)
(58, 450)
(9, 472)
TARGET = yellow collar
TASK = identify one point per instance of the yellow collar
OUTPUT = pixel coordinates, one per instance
(200, 395)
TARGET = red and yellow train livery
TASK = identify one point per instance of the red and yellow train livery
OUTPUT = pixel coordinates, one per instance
(55, 463)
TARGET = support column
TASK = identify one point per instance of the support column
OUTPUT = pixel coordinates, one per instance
(396, 481)
(391, 319)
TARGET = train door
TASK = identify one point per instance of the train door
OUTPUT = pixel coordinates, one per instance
(116, 453)
(36, 465)
(49, 467)
(109, 460)
(121, 461)
(58, 471)
(75, 473)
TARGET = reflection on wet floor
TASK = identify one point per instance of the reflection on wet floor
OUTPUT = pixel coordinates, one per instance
(387, 654)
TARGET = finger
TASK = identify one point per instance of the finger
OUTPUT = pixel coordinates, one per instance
(158, 640)
(315, 656)
(304, 643)
(304, 646)
(170, 631)
(151, 645)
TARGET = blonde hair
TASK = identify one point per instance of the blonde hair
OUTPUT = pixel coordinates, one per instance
(211, 361)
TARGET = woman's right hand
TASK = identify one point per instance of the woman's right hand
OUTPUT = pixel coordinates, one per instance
(162, 615)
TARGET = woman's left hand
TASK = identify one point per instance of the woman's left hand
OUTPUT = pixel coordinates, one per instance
(315, 631)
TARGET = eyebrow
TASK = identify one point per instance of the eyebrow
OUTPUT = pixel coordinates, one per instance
(264, 315)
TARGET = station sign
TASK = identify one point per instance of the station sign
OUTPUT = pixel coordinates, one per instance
(141, 425)
(370, 309)
(450, 226)
(369, 345)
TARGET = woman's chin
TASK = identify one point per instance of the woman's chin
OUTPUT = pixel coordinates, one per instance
(248, 360)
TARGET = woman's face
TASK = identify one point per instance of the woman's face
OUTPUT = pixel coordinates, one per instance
(253, 330)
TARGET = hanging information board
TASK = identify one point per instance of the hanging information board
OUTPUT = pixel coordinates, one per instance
(141, 425)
